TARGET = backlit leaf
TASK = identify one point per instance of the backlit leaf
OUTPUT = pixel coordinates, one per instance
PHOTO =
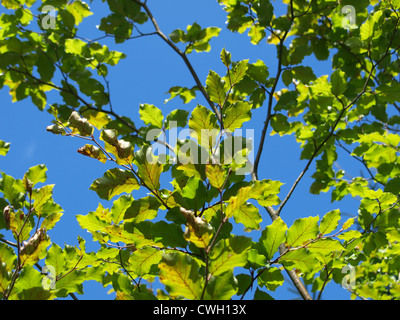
(273, 236)
(142, 259)
(301, 231)
(215, 175)
(150, 114)
(329, 222)
(4, 148)
(228, 254)
(236, 115)
(115, 182)
(180, 274)
(204, 125)
(215, 88)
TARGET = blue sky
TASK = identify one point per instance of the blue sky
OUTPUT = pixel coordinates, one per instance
(149, 70)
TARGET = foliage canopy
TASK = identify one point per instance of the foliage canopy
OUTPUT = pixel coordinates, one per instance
(185, 235)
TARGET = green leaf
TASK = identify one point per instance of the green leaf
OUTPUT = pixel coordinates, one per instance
(41, 197)
(325, 246)
(273, 236)
(74, 46)
(300, 259)
(56, 259)
(36, 174)
(349, 235)
(170, 235)
(150, 174)
(79, 10)
(228, 254)
(271, 278)
(216, 175)
(97, 119)
(178, 117)
(235, 202)
(261, 295)
(91, 222)
(348, 224)
(236, 115)
(301, 231)
(4, 148)
(339, 82)
(249, 216)
(115, 182)
(258, 71)
(141, 261)
(393, 186)
(5, 279)
(180, 274)
(304, 74)
(35, 293)
(45, 69)
(150, 114)
(265, 192)
(239, 71)
(92, 151)
(215, 88)
(194, 194)
(120, 207)
(329, 222)
(143, 209)
(265, 12)
(204, 125)
(60, 264)
(226, 57)
(50, 221)
(222, 287)
(367, 29)
(13, 190)
(321, 87)
(256, 33)
(184, 93)
(280, 124)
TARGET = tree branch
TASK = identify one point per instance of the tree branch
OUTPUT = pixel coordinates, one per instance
(331, 133)
(184, 58)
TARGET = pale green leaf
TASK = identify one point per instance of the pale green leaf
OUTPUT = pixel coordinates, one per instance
(236, 115)
(180, 274)
(221, 287)
(239, 71)
(249, 216)
(150, 114)
(301, 231)
(215, 88)
(329, 221)
(115, 182)
(228, 254)
(141, 261)
(4, 148)
(204, 125)
(216, 175)
(273, 236)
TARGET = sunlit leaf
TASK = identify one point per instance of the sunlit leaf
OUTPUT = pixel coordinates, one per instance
(114, 182)
(180, 274)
